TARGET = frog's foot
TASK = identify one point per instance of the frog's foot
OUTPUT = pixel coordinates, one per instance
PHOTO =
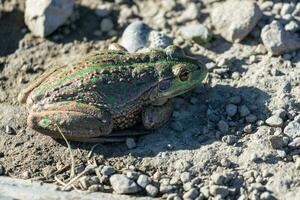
(75, 121)
(116, 47)
(155, 116)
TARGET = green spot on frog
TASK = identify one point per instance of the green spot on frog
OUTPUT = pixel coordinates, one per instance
(45, 122)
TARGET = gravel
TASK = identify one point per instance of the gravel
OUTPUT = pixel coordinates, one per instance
(231, 110)
(223, 126)
(123, 185)
(185, 177)
(130, 142)
(106, 25)
(246, 14)
(295, 143)
(107, 170)
(216, 190)
(244, 111)
(277, 40)
(191, 194)
(44, 17)
(276, 142)
(218, 179)
(230, 139)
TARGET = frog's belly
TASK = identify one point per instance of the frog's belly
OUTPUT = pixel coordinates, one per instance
(127, 118)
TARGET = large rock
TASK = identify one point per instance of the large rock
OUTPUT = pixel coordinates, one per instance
(234, 19)
(44, 16)
(277, 40)
(123, 185)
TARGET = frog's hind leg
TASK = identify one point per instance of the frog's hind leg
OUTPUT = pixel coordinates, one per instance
(76, 121)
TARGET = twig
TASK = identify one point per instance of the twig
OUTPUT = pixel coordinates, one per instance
(92, 150)
(87, 169)
(69, 148)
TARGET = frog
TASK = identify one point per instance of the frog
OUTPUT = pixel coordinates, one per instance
(99, 97)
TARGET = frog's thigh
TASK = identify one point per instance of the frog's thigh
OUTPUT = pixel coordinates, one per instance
(155, 116)
(74, 120)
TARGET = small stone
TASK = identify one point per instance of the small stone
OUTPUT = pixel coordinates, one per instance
(251, 118)
(2, 170)
(230, 139)
(226, 162)
(292, 26)
(191, 194)
(196, 32)
(187, 186)
(107, 170)
(292, 129)
(102, 10)
(277, 40)
(177, 126)
(151, 190)
(123, 185)
(132, 174)
(130, 143)
(244, 111)
(295, 143)
(190, 13)
(106, 25)
(248, 129)
(287, 8)
(216, 190)
(223, 126)
(235, 100)
(173, 196)
(143, 180)
(26, 175)
(274, 121)
(267, 196)
(158, 40)
(79, 168)
(185, 177)
(231, 110)
(246, 13)
(236, 75)
(9, 130)
(96, 188)
(166, 189)
(84, 182)
(45, 16)
(276, 142)
(218, 179)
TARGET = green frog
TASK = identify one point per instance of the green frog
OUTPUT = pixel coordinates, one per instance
(96, 98)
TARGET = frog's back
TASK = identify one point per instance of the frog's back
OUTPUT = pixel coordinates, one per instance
(112, 79)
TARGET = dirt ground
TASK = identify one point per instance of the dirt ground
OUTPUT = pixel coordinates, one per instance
(197, 145)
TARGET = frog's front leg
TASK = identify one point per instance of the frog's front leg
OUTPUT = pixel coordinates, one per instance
(155, 116)
(75, 120)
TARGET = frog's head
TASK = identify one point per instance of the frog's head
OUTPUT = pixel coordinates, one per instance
(180, 75)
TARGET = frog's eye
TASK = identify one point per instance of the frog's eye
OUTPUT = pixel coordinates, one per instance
(184, 75)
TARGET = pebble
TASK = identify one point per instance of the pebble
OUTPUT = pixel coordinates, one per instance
(26, 175)
(107, 170)
(292, 129)
(248, 129)
(138, 35)
(225, 162)
(246, 14)
(230, 139)
(251, 118)
(276, 142)
(277, 40)
(218, 179)
(235, 100)
(244, 111)
(123, 185)
(223, 126)
(96, 188)
(216, 190)
(44, 17)
(191, 194)
(267, 196)
(274, 121)
(9, 130)
(196, 32)
(102, 11)
(130, 143)
(185, 177)
(106, 25)
(84, 182)
(143, 180)
(132, 174)
(2, 170)
(173, 196)
(231, 110)
(295, 143)
(190, 13)
(165, 189)
(292, 26)
(151, 190)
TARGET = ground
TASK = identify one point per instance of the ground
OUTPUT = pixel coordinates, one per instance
(193, 140)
